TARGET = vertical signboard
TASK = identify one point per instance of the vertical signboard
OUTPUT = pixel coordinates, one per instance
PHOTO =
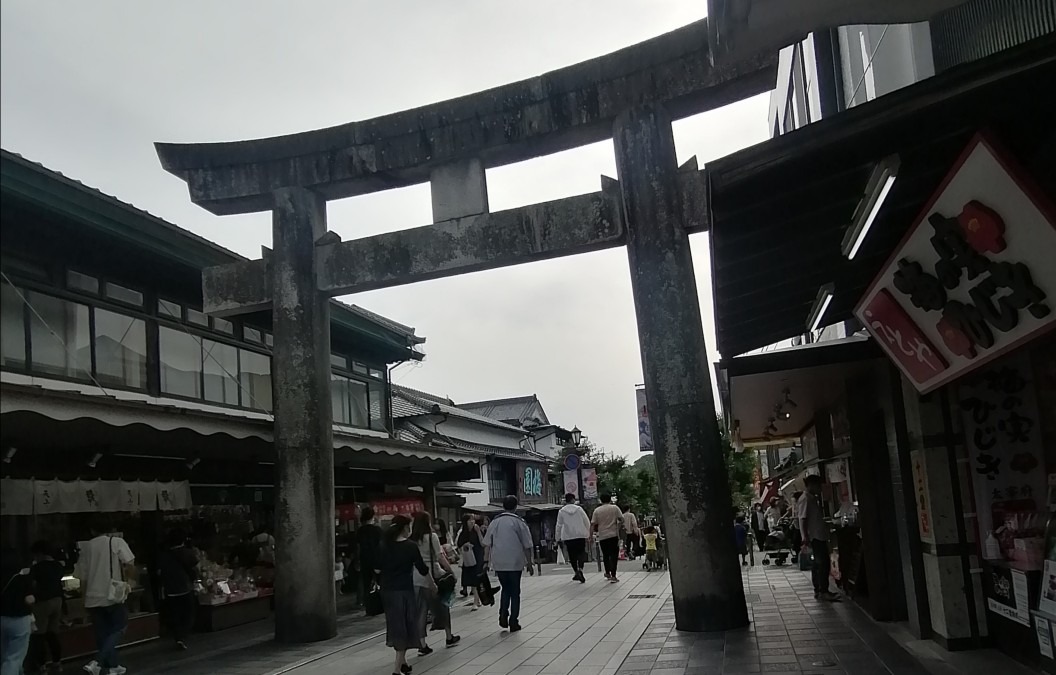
(531, 482)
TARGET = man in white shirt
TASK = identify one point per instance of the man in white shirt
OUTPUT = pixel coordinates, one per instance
(508, 550)
(607, 520)
(573, 529)
(103, 559)
(631, 532)
(816, 531)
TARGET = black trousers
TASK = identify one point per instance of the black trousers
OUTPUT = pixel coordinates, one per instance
(822, 565)
(577, 553)
(179, 614)
(631, 541)
(610, 553)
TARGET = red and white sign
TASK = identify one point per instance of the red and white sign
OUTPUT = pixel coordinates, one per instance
(397, 507)
(972, 278)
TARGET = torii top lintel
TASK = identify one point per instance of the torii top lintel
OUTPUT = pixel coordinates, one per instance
(557, 111)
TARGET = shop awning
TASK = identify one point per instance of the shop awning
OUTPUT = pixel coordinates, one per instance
(779, 210)
(814, 375)
(78, 418)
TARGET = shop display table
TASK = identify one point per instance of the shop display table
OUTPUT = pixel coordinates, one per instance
(218, 615)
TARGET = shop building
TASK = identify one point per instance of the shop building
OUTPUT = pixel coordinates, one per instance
(510, 465)
(527, 413)
(925, 215)
(119, 397)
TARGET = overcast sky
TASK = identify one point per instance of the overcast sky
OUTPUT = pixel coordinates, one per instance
(88, 87)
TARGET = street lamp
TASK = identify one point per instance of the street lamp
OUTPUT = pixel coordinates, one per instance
(576, 436)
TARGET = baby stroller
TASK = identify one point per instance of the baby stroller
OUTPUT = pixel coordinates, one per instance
(656, 560)
(778, 545)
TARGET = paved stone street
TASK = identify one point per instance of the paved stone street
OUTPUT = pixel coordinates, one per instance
(595, 628)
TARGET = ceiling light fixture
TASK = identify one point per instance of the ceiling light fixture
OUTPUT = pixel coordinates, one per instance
(821, 303)
(10, 455)
(94, 461)
(876, 190)
(193, 462)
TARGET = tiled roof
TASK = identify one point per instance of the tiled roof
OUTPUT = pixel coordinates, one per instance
(216, 249)
(514, 410)
(407, 402)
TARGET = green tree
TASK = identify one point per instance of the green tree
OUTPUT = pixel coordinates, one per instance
(740, 469)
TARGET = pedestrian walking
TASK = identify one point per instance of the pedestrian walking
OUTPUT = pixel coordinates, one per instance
(104, 564)
(16, 616)
(368, 539)
(740, 534)
(815, 530)
(433, 591)
(759, 524)
(47, 573)
(178, 570)
(508, 550)
(470, 544)
(631, 531)
(573, 529)
(606, 521)
(399, 559)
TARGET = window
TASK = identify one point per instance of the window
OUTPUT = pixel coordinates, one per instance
(269, 340)
(338, 361)
(378, 407)
(61, 344)
(378, 374)
(12, 328)
(359, 369)
(197, 318)
(220, 366)
(339, 399)
(252, 334)
(255, 377)
(497, 488)
(170, 310)
(76, 281)
(120, 349)
(349, 401)
(181, 363)
(125, 295)
(223, 326)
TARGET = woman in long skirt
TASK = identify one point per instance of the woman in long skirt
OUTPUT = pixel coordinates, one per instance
(400, 557)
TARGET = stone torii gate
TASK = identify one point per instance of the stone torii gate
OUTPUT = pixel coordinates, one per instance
(630, 96)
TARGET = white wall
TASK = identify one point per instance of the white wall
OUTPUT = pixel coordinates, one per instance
(477, 498)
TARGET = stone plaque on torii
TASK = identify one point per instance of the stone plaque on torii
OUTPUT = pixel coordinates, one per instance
(630, 96)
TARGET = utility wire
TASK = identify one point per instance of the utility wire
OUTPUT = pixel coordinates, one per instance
(865, 70)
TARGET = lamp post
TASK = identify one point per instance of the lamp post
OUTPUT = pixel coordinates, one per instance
(577, 436)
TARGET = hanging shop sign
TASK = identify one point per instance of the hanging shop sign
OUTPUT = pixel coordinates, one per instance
(645, 433)
(972, 279)
(531, 482)
(43, 497)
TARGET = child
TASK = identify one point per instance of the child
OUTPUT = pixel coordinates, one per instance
(650, 545)
(740, 532)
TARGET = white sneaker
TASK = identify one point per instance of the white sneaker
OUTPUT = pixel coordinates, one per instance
(117, 670)
(92, 667)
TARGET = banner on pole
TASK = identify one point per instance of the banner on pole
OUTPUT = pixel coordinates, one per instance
(571, 483)
(645, 434)
(590, 483)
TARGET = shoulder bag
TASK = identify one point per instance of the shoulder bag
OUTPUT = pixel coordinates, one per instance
(445, 583)
(118, 591)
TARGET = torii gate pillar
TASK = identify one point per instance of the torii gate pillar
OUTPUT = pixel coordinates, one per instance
(695, 499)
(305, 604)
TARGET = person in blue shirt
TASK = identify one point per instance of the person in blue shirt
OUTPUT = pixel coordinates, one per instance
(740, 532)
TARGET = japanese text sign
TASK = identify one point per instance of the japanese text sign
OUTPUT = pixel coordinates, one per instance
(531, 482)
(973, 277)
(999, 410)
